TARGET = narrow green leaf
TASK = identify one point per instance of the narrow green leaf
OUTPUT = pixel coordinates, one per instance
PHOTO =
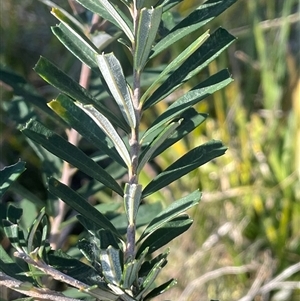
(66, 14)
(74, 268)
(132, 199)
(151, 277)
(70, 153)
(116, 17)
(198, 18)
(147, 28)
(90, 251)
(190, 120)
(192, 97)
(79, 47)
(75, 201)
(111, 266)
(131, 270)
(190, 161)
(106, 239)
(15, 235)
(139, 4)
(147, 153)
(44, 244)
(99, 8)
(112, 72)
(26, 91)
(76, 29)
(167, 4)
(9, 174)
(166, 233)
(14, 213)
(161, 289)
(109, 130)
(212, 47)
(147, 266)
(119, 18)
(146, 213)
(92, 187)
(176, 63)
(32, 232)
(27, 194)
(173, 210)
(130, 274)
(9, 267)
(84, 125)
(57, 78)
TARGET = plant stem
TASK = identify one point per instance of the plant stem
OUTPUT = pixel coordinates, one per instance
(57, 275)
(134, 139)
(37, 293)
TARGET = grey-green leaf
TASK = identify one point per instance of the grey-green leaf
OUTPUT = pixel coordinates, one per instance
(172, 211)
(148, 152)
(75, 201)
(84, 125)
(212, 47)
(78, 46)
(161, 289)
(192, 97)
(118, 18)
(111, 266)
(190, 120)
(112, 73)
(68, 152)
(57, 78)
(167, 4)
(9, 174)
(109, 130)
(8, 266)
(151, 277)
(166, 233)
(147, 28)
(115, 15)
(198, 18)
(175, 64)
(190, 161)
(132, 199)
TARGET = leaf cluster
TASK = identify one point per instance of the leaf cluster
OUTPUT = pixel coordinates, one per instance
(118, 267)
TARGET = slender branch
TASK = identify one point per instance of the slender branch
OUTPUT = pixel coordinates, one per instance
(134, 139)
(267, 24)
(276, 283)
(44, 294)
(291, 285)
(288, 272)
(57, 275)
(259, 279)
(212, 275)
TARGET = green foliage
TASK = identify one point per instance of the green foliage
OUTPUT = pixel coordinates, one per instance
(117, 267)
(258, 188)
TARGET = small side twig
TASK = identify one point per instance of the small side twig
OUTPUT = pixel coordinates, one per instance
(48, 270)
(57, 275)
(276, 283)
(44, 294)
(212, 275)
(260, 278)
(267, 24)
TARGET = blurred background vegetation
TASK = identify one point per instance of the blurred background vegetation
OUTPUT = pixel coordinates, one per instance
(247, 227)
